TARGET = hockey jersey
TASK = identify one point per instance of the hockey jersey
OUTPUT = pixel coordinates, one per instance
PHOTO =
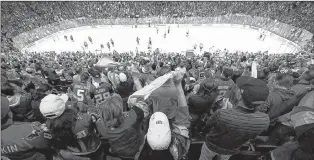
(23, 140)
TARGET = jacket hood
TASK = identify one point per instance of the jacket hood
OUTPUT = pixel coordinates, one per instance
(285, 94)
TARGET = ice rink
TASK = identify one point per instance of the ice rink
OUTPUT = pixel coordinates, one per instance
(212, 37)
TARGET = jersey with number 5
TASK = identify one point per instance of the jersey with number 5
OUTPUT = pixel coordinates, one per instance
(81, 92)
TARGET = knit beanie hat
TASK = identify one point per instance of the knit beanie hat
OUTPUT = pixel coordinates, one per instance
(123, 77)
(159, 133)
(52, 106)
(253, 90)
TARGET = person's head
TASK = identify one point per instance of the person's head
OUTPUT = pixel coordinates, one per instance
(17, 67)
(121, 68)
(78, 70)
(122, 77)
(154, 66)
(284, 79)
(111, 111)
(307, 75)
(227, 72)
(84, 77)
(163, 70)
(253, 91)
(76, 79)
(60, 119)
(44, 88)
(161, 64)
(159, 133)
(7, 89)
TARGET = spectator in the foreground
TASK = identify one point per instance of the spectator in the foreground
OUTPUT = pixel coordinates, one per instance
(22, 140)
(19, 101)
(231, 128)
(225, 86)
(302, 118)
(122, 129)
(281, 93)
(284, 128)
(71, 130)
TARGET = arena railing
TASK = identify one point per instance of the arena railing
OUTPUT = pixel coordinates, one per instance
(299, 36)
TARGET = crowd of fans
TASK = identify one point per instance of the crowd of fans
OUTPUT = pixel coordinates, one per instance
(19, 17)
(139, 106)
(80, 105)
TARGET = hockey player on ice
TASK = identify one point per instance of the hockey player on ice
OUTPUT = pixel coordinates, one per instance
(90, 39)
(108, 45)
(187, 33)
(201, 47)
(71, 37)
(149, 44)
(85, 44)
(150, 41)
(112, 42)
(138, 40)
(169, 30)
(157, 29)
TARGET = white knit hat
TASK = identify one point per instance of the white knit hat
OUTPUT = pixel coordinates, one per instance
(52, 106)
(159, 133)
(123, 77)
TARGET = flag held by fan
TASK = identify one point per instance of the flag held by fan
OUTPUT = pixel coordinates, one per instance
(107, 62)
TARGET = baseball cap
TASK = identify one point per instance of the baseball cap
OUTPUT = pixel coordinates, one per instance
(253, 90)
(192, 80)
(159, 133)
(52, 106)
(5, 109)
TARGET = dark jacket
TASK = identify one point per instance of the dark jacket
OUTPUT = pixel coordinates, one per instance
(20, 111)
(126, 140)
(277, 97)
(301, 85)
(231, 128)
(24, 140)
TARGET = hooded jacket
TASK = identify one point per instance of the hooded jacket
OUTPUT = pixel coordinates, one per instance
(299, 90)
(276, 97)
(301, 85)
